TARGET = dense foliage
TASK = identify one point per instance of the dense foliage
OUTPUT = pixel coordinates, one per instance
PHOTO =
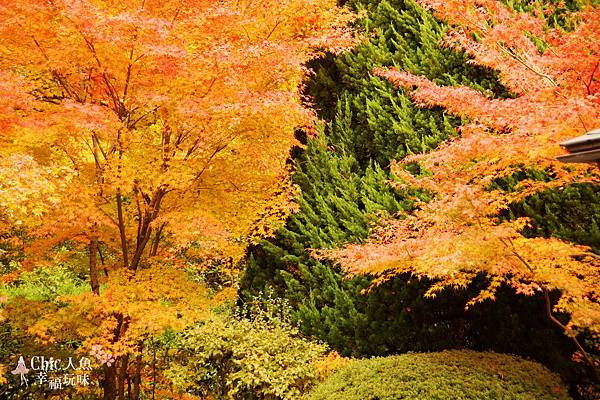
(571, 213)
(343, 175)
(464, 375)
(459, 235)
(135, 133)
(262, 357)
(145, 168)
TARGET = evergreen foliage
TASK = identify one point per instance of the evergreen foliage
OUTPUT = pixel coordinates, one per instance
(571, 213)
(446, 375)
(343, 174)
(386, 126)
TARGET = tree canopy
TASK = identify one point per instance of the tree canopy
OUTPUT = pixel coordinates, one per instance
(136, 131)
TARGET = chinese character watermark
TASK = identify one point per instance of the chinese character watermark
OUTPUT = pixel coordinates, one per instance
(75, 372)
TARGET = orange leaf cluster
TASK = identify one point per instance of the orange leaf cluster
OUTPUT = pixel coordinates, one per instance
(159, 110)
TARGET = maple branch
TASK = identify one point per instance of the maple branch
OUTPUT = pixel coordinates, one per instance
(246, 32)
(131, 125)
(70, 157)
(156, 241)
(565, 328)
(102, 260)
(121, 225)
(177, 11)
(516, 254)
(197, 141)
(93, 249)
(139, 207)
(210, 86)
(536, 71)
(217, 150)
(56, 75)
(110, 89)
(67, 87)
(589, 83)
(86, 85)
(591, 255)
(119, 107)
(128, 76)
(145, 229)
(131, 61)
(111, 150)
(120, 205)
(525, 64)
(166, 146)
(37, 44)
(248, 5)
(234, 185)
(553, 318)
(277, 23)
(107, 215)
(183, 135)
(212, 156)
(98, 146)
(99, 167)
(94, 149)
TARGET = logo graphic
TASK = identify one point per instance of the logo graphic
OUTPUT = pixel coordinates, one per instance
(54, 373)
(21, 370)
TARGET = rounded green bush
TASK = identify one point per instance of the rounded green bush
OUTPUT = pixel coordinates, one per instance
(447, 375)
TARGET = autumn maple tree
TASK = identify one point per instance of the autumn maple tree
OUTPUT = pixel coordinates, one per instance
(134, 129)
(554, 77)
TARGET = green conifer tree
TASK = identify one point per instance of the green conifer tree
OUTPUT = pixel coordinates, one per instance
(344, 174)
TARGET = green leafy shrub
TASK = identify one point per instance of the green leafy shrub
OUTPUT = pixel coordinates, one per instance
(453, 374)
(45, 284)
(262, 357)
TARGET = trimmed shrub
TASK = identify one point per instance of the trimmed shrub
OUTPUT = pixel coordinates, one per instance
(452, 374)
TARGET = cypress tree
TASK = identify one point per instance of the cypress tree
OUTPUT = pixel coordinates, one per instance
(344, 174)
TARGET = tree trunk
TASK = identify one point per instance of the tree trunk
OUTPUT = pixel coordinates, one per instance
(110, 382)
(124, 363)
(93, 248)
(145, 219)
(113, 376)
(137, 377)
(153, 369)
(122, 235)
